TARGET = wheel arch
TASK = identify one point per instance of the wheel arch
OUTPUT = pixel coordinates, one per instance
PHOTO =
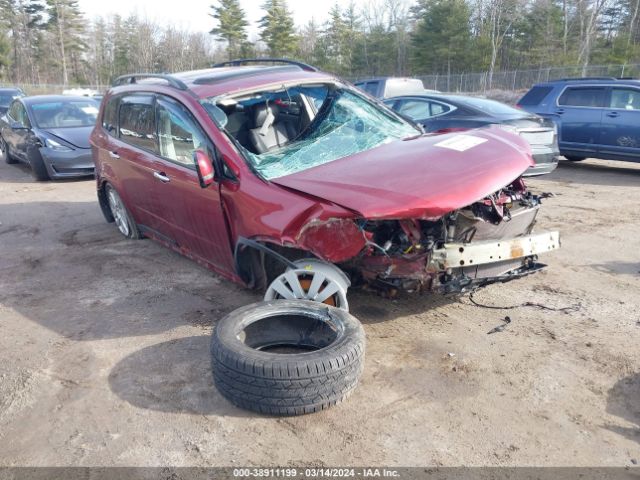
(104, 202)
(257, 262)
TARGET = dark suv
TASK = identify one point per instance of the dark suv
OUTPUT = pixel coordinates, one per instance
(287, 178)
(596, 117)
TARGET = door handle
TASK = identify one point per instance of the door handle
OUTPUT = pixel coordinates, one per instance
(114, 154)
(161, 176)
(612, 114)
(560, 111)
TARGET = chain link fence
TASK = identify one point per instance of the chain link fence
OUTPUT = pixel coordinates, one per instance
(507, 83)
(519, 80)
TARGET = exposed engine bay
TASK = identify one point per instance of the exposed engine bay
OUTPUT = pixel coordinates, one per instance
(406, 254)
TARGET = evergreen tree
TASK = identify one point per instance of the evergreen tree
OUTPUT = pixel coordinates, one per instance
(232, 24)
(537, 37)
(5, 54)
(67, 25)
(121, 33)
(277, 29)
(441, 40)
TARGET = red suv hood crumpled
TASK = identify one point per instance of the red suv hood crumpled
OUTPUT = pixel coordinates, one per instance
(414, 178)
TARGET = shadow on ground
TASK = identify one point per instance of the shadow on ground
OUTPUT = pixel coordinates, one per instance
(623, 401)
(618, 268)
(587, 172)
(166, 377)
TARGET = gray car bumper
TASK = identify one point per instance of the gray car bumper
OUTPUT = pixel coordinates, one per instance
(546, 161)
(76, 163)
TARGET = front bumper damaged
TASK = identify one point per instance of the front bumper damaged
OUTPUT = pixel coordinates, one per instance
(459, 267)
(472, 265)
(455, 255)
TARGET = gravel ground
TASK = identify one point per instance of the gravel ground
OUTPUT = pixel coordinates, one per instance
(104, 349)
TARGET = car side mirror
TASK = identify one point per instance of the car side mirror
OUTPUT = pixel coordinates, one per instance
(204, 167)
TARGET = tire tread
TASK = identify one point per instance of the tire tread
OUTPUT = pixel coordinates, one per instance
(288, 384)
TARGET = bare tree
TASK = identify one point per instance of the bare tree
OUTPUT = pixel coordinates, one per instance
(588, 12)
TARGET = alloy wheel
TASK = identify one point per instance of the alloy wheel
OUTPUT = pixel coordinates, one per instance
(119, 212)
(313, 280)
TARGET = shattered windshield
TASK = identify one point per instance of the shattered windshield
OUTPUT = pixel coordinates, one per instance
(309, 126)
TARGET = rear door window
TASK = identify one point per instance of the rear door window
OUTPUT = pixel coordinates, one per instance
(535, 96)
(415, 109)
(422, 109)
(582, 97)
(439, 108)
(625, 98)
(137, 122)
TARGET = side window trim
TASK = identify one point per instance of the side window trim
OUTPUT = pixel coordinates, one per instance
(582, 87)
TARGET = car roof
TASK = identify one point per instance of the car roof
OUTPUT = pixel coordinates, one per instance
(376, 79)
(222, 80)
(463, 102)
(52, 98)
(443, 97)
(591, 81)
(10, 89)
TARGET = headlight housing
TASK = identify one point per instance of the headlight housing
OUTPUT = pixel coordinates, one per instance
(54, 145)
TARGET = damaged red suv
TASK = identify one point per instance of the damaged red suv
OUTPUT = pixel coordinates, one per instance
(285, 178)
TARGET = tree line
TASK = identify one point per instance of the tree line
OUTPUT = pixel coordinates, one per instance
(52, 41)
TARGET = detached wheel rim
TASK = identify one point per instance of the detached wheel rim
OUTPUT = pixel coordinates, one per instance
(316, 281)
(119, 213)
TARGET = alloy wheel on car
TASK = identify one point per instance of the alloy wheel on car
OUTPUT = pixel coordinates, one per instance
(313, 280)
(119, 212)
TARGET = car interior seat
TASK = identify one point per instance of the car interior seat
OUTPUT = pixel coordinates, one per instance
(269, 133)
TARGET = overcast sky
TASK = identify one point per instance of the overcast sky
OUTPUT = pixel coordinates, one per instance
(194, 14)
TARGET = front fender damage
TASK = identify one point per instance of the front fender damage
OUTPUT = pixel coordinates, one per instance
(342, 241)
(335, 240)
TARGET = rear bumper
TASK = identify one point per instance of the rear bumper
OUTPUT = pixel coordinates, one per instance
(76, 163)
(546, 161)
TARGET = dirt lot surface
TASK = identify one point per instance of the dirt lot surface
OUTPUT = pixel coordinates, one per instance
(104, 349)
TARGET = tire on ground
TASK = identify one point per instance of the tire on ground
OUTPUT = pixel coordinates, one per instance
(572, 158)
(38, 168)
(248, 371)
